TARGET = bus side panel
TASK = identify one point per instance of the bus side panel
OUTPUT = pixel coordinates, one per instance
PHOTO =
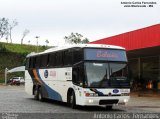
(54, 82)
(64, 81)
(40, 77)
(57, 82)
(28, 83)
(60, 87)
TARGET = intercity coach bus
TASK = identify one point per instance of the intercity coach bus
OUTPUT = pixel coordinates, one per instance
(84, 74)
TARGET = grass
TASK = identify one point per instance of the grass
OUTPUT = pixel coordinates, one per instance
(13, 55)
(18, 48)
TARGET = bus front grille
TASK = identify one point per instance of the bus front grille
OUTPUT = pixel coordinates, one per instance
(106, 102)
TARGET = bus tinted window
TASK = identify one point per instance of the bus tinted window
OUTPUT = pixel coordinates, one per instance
(77, 55)
(51, 60)
(32, 62)
(55, 59)
(68, 57)
(38, 61)
(44, 59)
(27, 63)
(58, 60)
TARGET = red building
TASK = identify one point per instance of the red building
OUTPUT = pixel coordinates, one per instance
(143, 51)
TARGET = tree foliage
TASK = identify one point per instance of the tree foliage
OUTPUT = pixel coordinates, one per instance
(4, 27)
(76, 38)
(47, 41)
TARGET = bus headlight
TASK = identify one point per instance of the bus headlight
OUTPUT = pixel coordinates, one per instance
(91, 94)
(125, 100)
(90, 101)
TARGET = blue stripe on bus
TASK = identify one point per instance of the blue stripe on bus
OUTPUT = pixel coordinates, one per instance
(52, 94)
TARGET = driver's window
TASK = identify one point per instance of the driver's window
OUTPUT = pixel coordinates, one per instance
(77, 75)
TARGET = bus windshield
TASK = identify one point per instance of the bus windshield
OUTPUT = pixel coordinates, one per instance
(106, 75)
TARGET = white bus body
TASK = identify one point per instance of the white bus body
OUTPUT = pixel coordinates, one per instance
(72, 83)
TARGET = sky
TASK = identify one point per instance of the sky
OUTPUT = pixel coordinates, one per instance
(94, 19)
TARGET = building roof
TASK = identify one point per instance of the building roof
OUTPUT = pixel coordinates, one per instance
(138, 39)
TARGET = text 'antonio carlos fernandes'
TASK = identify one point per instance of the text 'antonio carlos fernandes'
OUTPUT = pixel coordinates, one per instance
(126, 116)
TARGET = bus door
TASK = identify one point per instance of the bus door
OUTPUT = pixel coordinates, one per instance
(78, 81)
(78, 75)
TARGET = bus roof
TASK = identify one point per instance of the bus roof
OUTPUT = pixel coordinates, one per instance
(57, 48)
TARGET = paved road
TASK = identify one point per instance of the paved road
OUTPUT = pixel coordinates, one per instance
(13, 99)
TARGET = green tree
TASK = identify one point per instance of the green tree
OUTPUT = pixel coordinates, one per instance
(76, 38)
(4, 27)
(47, 42)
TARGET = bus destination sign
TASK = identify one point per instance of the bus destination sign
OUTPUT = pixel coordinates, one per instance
(105, 55)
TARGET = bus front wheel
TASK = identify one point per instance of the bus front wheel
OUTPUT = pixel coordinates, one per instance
(72, 100)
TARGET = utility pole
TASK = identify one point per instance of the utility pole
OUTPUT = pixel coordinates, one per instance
(37, 42)
(6, 71)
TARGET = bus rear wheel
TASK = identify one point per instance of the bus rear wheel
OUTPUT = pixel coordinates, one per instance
(72, 100)
(40, 95)
(36, 94)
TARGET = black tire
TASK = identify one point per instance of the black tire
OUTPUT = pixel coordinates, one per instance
(36, 94)
(18, 83)
(40, 95)
(72, 100)
(109, 107)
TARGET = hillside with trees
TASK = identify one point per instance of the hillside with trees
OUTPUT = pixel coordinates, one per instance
(13, 55)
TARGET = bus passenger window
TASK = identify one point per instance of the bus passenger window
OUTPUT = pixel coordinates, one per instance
(68, 57)
(44, 60)
(77, 55)
(38, 60)
(51, 60)
(59, 59)
(48, 60)
(32, 62)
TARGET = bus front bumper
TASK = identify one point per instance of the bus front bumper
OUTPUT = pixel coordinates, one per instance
(96, 101)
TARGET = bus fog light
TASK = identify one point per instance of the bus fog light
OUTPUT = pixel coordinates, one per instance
(125, 100)
(90, 101)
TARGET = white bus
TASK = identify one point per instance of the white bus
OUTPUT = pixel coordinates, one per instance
(86, 75)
